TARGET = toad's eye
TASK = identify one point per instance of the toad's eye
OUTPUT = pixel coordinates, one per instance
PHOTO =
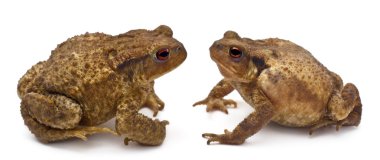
(162, 54)
(235, 52)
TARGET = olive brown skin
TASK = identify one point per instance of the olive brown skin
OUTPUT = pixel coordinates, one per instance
(94, 77)
(283, 82)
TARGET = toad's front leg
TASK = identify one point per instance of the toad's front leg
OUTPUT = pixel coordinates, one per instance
(215, 101)
(264, 112)
(136, 126)
(153, 101)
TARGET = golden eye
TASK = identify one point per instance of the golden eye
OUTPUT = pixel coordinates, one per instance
(235, 52)
(163, 54)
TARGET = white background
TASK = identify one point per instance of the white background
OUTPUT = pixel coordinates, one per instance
(343, 35)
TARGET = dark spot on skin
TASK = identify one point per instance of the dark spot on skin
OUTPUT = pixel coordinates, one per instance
(219, 46)
(71, 58)
(87, 65)
(101, 65)
(275, 78)
(40, 80)
(274, 54)
(112, 77)
(73, 83)
(122, 65)
(303, 92)
(74, 72)
(112, 53)
(260, 64)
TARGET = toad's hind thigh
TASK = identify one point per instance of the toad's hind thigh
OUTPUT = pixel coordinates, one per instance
(346, 105)
(56, 111)
(345, 109)
(53, 117)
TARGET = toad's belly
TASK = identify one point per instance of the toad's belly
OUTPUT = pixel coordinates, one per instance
(298, 115)
(294, 111)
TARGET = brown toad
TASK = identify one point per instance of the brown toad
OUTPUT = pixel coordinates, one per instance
(94, 77)
(283, 82)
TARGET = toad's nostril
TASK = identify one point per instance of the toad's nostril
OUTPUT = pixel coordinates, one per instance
(218, 46)
(178, 49)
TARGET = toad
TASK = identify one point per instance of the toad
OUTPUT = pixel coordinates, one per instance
(92, 78)
(283, 82)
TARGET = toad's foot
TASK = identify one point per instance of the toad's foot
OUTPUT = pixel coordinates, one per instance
(326, 123)
(216, 104)
(353, 119)
(139, 140)
(226, 138)
(155, 104)
(321, 124)
(82, 133)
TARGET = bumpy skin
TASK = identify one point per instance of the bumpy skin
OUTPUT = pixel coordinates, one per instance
(94, 77)
(283, 82)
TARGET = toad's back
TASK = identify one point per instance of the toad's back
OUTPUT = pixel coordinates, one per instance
(301, 86)
(78, 69)
(70, 64)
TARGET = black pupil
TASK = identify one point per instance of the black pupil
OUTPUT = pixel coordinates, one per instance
(235, 52)
(163, 54)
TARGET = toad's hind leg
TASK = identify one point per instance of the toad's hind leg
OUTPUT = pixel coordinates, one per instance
(345, 109)
(52, 117)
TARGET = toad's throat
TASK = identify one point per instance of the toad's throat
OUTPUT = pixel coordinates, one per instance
(232, 74)
(228, 70)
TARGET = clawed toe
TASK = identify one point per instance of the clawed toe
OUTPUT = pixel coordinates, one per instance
(208, 135)
(228, 102)
(217, 107)
(202, 102)
(210, 140)
(155, 104)
(155, 112)
(226, 138)
(155, 107)
(165, 122)
(339, 124)
(216, 104)
(82, 133)
(161, 104)
(211, 137)
(108, 130)
(325, 123)
(80, 136)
